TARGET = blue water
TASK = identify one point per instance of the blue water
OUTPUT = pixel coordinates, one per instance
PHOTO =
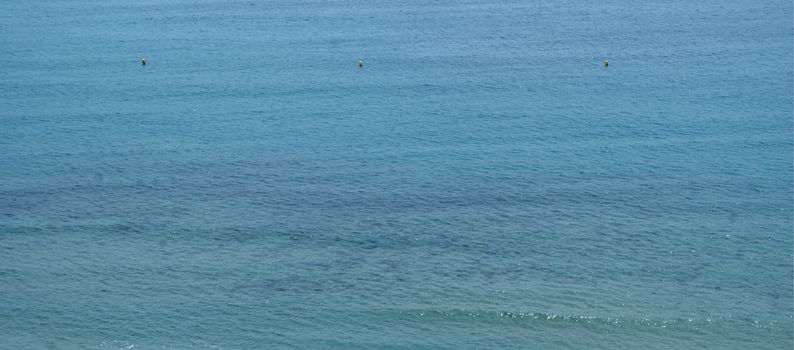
(482, 182)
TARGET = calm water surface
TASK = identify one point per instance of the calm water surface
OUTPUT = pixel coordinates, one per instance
(483, 182)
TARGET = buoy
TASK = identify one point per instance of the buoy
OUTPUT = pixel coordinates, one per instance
(360, 63)
(143, 61)
(606, 63)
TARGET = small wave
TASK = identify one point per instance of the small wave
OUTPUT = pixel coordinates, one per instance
(507, 316)
(116, 345)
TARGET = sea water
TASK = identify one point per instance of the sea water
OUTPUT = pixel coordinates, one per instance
(482, 182)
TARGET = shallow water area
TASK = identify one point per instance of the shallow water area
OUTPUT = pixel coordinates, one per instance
(481, 182)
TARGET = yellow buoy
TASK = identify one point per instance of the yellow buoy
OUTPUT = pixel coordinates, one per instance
(606, 63)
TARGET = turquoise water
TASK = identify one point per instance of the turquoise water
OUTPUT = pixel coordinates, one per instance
(483, 182)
